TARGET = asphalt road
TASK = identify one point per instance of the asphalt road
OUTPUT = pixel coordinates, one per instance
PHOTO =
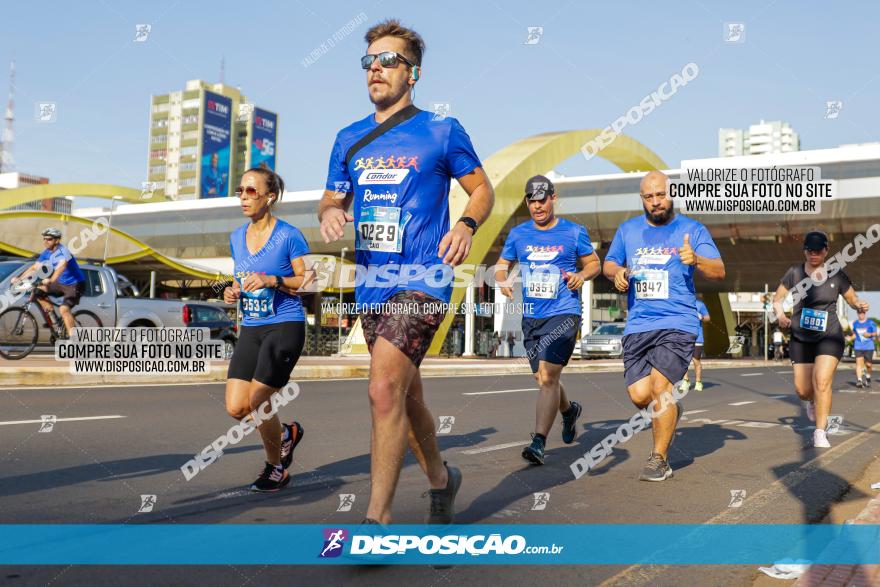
(745, 431)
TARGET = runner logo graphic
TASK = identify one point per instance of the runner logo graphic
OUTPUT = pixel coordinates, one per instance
(48, 423)
(541, 501)
(737, 496)
(835, 423)
(334, 540)
(147, 503)
(346, 500)
(446, 423)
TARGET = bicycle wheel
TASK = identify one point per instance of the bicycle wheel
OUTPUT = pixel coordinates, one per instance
(86, 319)
(18, 333)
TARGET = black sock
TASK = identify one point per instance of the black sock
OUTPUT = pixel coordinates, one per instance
(570, 410)
(541, 437)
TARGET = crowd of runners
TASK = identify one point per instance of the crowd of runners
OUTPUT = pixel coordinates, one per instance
(389, 176)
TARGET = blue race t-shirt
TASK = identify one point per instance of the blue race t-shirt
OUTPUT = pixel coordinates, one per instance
(269, 305)
(861, 329)
(661, 288)
(702, 311)
(72, 274)
(543, 256)
(401, 201)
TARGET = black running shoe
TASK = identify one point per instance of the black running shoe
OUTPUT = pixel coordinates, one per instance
(569, 423)
(534, 453)
(442, 510)
(295, 434)
(656, 469)
(271, 479)
(867, 382)
(859, 384)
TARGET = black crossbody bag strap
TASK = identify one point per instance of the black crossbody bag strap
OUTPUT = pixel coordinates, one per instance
(398, 117)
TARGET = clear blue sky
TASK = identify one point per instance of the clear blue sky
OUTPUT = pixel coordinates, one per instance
(593, 63)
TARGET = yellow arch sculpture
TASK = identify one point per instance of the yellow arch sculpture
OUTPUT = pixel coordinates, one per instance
(509, 168)
(140, 249)
(44, 191)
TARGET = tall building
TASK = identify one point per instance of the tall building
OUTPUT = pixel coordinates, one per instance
(13, 180)
(759, 139)
(204, 137)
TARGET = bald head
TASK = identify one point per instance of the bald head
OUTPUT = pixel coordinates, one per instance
(654, 181)
(655, 197)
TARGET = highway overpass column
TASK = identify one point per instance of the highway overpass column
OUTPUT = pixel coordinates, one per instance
(470, 297)
(587, 308)
(717, 333)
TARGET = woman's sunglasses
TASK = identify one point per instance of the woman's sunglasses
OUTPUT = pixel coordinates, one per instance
(250, 192)
(386, 59)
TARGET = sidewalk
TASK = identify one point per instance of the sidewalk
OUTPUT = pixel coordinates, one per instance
(43, 370)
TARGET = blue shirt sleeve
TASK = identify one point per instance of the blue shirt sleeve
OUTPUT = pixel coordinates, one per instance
(703, 245)
(337, 171)
(584, 246)
(461, 158)
(64, 253)
(702, 309)
(509, 251)
(297, 245)
(617, 250)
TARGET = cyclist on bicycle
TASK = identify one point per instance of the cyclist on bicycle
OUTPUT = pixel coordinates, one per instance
(66, 278)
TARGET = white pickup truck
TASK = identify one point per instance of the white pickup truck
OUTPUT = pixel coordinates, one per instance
(117, 302)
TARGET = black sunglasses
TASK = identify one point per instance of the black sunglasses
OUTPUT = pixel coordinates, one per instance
(386, 59)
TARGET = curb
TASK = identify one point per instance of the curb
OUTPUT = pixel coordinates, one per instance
(61, 375)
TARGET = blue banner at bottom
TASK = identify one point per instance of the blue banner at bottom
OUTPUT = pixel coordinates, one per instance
(526, 544)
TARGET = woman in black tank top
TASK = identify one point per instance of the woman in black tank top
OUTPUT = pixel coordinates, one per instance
(816, 335)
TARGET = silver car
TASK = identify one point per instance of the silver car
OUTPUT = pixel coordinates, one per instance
(606, 341)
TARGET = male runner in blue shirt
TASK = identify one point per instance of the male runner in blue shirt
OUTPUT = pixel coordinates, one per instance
(654, 258)
(399, 187)
(548, 249)
(703, 313)
(864, 334)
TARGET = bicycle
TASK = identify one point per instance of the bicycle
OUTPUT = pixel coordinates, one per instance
(19, 331)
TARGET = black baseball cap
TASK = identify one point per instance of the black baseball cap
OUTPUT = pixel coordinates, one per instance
(539, 187)
(815, 241)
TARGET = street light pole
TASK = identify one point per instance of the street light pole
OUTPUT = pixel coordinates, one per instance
(766, 325)
(339, 309)
(110, 226)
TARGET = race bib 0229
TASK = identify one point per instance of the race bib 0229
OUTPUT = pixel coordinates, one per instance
(379, 229)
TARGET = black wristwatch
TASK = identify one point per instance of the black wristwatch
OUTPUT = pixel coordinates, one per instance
(469, 222)
(278, 281)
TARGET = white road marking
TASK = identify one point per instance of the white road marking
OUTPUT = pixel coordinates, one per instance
(749, 374)
(785, 372)
(62, 420)
(779, 396)
(476, 451)
(689, 412)
(636, 575)
(740, 403)
(500, 391)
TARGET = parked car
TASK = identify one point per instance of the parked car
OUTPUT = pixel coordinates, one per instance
(198, 315)
(606, 342)
(116, 301)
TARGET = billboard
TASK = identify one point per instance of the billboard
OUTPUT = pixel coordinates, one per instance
(264, 137)
(216, 139)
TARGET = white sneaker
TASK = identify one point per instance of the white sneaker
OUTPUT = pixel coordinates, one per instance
(811, 411)
(685, 385)
(820, 440)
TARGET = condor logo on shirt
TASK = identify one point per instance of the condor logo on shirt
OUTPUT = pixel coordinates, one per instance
(543, 253)
(382, 176)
